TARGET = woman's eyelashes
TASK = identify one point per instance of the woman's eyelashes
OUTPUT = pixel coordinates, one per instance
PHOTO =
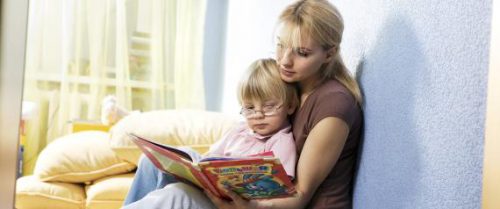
(300, 51)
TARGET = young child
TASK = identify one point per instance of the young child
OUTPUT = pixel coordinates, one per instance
(266, 103)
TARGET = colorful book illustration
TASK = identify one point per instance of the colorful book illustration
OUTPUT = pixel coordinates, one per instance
(254, 177)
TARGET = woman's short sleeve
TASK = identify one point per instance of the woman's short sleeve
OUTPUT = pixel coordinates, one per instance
(334, 104)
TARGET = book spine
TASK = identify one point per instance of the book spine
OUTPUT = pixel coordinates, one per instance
(206, 181)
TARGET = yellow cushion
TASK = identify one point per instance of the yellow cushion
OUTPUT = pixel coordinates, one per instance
(109, 192)
(196, 128)
(32, 193)
(79, 157)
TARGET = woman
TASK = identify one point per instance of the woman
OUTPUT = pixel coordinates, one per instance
(328, 123)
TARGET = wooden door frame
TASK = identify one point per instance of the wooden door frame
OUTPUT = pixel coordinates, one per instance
(13, 26)
(491, 163)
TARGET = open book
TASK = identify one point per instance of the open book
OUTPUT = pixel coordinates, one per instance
(254, 177)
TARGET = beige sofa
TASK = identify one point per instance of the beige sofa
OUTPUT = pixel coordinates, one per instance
(94, 169)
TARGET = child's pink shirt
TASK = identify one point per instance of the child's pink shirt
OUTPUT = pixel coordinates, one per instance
(242, 141)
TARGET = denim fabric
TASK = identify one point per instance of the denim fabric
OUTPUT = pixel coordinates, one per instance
(174, 196)
(147, 179)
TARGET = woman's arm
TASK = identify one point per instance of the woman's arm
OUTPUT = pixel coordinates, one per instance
(319, 155)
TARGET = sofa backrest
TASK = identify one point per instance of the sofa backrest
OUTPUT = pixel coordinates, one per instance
(195, 128)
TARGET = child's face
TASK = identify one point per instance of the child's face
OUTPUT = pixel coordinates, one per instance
(266, 117)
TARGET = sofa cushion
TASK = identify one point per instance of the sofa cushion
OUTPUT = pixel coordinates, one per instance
(32, 193)
(195, 128)
(108, 192)
(79, 157)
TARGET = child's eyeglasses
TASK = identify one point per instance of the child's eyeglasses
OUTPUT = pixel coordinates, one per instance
(267, 110)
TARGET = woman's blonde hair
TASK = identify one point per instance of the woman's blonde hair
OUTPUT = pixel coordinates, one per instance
(322, 22)
(262, 82)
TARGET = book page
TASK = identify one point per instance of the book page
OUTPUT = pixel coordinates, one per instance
(247, 157)
(195, 156)
(177, 162)
(174, 167)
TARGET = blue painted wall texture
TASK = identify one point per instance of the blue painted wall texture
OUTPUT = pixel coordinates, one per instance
(423, 69)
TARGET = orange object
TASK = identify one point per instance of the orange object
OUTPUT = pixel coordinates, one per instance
(83, 125)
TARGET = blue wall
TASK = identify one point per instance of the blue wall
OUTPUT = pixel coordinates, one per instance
(423, 70)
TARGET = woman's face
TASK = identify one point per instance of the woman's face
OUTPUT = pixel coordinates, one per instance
(301, 64)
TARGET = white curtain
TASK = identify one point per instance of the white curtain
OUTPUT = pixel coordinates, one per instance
(80, 51)
(176, 53)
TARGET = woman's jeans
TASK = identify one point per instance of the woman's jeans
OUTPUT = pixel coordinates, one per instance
(147, 179)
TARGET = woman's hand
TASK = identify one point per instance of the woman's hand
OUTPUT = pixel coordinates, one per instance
(237, 202)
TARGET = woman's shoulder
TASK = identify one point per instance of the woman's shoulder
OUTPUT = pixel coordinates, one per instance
(333, 85)
(332, 99)
(334, 91)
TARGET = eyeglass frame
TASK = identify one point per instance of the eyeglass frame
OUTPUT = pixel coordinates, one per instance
(252, 112)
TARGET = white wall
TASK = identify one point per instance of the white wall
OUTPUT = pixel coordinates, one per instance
(250, 27)
(422, 66)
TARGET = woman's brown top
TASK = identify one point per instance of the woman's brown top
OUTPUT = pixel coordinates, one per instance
(332, 99)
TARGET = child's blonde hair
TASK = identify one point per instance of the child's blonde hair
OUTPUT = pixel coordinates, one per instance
(262, 82)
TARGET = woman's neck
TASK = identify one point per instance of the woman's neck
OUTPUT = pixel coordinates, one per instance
(307, 87)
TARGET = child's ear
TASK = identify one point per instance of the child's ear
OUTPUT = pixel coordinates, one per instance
(330, 54)
(291, 109)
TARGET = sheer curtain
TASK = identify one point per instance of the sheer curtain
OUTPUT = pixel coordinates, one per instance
(176, 53)
(80, 51)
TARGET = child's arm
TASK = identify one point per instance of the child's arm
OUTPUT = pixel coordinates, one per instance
(284, 149)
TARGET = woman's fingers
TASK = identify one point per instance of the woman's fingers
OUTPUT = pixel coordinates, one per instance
(220, 203)
(235, 197)
(238, 201)
(212, 197)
